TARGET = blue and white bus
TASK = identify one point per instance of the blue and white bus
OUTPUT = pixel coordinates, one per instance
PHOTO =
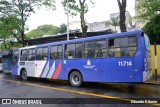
(7, 61)
(121, 57)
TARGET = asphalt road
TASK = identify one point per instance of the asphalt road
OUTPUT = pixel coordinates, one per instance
(111, 94)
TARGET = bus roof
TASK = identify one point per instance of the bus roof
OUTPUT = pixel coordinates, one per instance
(87, 38)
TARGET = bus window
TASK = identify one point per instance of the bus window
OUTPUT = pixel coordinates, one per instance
(73, 51)
(42, 53)
(90, 49)
(24, 55)
(16, 57)
(31, 56)
(122, 47)
(59, 53)
(70, 51)
(79, 49)
(100, 48)
(56, 52)
(45, 53)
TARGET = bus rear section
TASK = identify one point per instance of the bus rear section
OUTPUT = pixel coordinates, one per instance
(129, 59)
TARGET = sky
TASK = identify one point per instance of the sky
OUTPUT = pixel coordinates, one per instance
(100, 12)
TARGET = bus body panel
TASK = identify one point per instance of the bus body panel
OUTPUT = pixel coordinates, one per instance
(89, 68)
(30, 67)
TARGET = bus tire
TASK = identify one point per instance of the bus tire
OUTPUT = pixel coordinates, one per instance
(75, 79)
(24, 74)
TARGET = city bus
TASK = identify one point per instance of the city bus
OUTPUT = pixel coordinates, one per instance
(120, 57)
(7, 61)
(0, 62)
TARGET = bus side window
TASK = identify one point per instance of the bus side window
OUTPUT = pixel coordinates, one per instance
(78, 53)
(15, 57)
(123, 46)
(24, 55)
(31, 56)
(90, 49)
(39, 54)
(45, 53)
(56, 52)
(101, 48)
(70, 51)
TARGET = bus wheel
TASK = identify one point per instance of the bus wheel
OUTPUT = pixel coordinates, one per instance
(24, 74)
(75, 79)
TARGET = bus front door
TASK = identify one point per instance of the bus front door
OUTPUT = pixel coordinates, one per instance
(15, 63)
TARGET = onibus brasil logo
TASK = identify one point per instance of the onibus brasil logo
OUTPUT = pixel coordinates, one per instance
(89, 65)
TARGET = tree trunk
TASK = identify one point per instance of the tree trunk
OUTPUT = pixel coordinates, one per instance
(83, 24)
(122, 9)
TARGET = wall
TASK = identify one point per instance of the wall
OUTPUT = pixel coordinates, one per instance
(158, 59)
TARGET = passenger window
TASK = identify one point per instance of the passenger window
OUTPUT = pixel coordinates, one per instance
(45, 53)
(73, 50)
(90, 49)
(16, 57)
(42, 53)
(39, 55)
(70, 51)
(79, 49)
(56, 52)
(24, 55)
(31, 56)
(122, 47)
(100, 49)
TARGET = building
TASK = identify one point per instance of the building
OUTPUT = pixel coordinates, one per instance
(97, 26)
(75, 26)
(128, 20)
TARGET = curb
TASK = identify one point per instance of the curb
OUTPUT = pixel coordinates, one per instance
(152, 83)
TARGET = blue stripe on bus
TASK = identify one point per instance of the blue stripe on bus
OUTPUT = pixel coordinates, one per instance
(44, 68)
(47, 73)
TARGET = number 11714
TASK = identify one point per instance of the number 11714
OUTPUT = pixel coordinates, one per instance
(125, 63)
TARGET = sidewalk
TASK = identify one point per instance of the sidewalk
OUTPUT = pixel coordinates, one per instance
(153, 81)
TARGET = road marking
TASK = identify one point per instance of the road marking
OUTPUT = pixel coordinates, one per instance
(73, 91)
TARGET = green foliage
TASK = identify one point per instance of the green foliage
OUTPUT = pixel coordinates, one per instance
(21, 10)
(7, 26)
(46, 30)
(147, 9)
(78, 6)
(114, 22)
(62, 28)
(152, 29)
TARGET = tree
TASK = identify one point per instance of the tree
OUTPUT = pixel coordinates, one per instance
(78, 6)
(114, 22)
(122, 9)
(22, 9)
(147, 9)
(43, 30)
(152, 29)
(62, 28)
(7, 25)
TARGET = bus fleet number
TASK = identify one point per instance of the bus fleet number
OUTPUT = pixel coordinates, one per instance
(125, 63)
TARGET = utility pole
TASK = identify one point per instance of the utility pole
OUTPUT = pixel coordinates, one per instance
(67, 20)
